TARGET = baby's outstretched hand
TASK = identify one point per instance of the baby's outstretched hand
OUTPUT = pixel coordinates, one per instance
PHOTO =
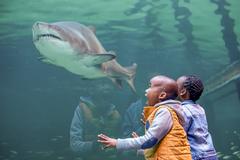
(107, 141)
(134, 135)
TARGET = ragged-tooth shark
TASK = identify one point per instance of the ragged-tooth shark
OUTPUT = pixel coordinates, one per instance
(75, 47)
(221, 79)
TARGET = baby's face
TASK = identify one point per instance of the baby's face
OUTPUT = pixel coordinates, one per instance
(152, 92)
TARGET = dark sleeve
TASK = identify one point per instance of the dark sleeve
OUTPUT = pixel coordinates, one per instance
(77, 142)
(127, 127)
(131, 120)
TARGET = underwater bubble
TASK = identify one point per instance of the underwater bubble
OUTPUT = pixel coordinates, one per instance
(236, 153)
(234, 148)
(227, 157)
(4, 143)
(13, 152)
(53, 139)
(232, 143)
(59, 136)
(219, 154)
(44, 153)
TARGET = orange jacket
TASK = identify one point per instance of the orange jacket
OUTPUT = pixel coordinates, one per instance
(174, 145)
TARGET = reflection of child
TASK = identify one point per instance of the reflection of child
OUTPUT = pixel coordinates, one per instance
(86, 123)
(190, 89)
(165, 138)
(81, 135)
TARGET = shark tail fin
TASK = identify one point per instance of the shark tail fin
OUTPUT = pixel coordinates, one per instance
(132, 72)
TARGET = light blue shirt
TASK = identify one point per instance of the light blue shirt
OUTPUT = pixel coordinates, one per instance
(195, 124)
(77, 142)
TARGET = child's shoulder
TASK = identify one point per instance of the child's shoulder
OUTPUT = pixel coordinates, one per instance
(196, 109)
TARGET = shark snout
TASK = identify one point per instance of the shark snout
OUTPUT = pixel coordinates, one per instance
(44, 30)
(40, 24)
(37, 27)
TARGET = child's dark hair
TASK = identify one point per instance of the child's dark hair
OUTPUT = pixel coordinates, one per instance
(194, 86)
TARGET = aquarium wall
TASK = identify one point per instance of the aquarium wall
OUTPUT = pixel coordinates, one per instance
(42, 84)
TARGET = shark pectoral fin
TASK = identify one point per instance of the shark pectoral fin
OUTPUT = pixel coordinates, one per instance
(112, 53)
(44, 60)
(96, 59)
(117, 82)
(40, 58)
(47, 61)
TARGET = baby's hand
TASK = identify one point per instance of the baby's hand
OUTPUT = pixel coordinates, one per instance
(134, 135)
(107, 141)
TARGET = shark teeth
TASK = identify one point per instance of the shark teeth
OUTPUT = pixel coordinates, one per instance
(47, 36)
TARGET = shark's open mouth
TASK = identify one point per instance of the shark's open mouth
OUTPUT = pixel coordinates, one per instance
(47, 36)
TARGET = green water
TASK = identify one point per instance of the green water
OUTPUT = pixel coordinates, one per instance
(174, 37)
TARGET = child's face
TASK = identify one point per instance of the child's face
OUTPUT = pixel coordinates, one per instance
(155, 92)
(182, 92)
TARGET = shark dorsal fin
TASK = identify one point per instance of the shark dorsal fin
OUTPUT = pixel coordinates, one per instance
(92, 28)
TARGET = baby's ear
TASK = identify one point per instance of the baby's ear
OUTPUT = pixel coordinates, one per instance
(183, 91)
(162, 95)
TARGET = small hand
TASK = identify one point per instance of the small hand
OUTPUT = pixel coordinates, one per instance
(134, 135)
(107, 141)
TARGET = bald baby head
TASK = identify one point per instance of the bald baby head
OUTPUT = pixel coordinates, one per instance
(167, 84)
(161, 88)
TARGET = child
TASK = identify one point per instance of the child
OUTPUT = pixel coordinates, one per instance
(165, 138)
(195, 124)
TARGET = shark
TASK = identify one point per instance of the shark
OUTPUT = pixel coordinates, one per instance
(223, 78)
(75, 47)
